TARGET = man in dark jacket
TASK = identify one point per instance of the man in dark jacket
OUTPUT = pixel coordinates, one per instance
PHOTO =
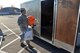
(23, 24)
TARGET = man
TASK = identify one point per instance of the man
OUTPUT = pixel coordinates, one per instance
(23, 24)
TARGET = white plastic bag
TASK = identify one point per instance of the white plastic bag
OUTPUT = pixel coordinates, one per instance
(28, 35)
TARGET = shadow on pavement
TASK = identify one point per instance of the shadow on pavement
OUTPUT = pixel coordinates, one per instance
(30, 49)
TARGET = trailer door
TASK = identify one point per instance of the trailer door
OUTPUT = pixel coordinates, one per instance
(66, 24)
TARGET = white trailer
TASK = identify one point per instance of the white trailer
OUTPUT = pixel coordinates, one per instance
(57, 21)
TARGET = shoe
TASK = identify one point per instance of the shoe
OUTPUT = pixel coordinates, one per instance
(31, 47)
(23, 45)
(3, 39)
(27, 46)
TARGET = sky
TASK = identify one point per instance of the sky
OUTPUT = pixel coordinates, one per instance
(15, 3)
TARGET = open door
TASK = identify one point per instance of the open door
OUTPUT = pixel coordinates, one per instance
(47, 19)
(66, 24)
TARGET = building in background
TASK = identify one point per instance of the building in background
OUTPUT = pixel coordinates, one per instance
(9, 11)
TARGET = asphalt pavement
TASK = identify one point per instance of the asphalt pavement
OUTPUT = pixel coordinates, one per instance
(11, 44)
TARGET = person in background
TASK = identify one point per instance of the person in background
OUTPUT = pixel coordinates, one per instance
(23, 24)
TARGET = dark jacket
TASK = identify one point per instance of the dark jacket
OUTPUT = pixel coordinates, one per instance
(23, 22)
